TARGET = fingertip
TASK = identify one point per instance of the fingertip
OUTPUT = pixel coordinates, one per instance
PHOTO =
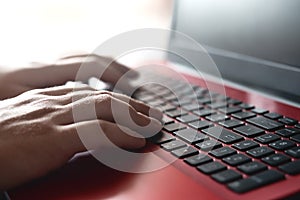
(155, 113)
(132, 73)
(157, 124)
(140, 143)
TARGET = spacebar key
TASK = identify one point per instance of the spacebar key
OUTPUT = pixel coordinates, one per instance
(258, 180)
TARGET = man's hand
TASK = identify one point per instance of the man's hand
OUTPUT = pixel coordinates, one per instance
(65, 69)
(38, 132)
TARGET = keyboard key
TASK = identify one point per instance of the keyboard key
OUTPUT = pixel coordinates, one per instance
(180, 102)
(230, 110)
(232, 123)
(185, 152)
(294, 152)
(249, 130)
(273, 115)
(296, 138)
(208, 145)
(216, 105)
(166, 107)
(204, 100)
(217, 117)
(162, 138)
(282, 144)
(276, 159)
(174, 127)
(243, 115)
(191, 107)
(245, 145)
(204, 112)
(198, 159)
(191, 136)
(211, 167)
(146, 98)
(287, 132)
(291, 168)
(176, 113)
(200, 124)
(156, 102)
(172, 145)
(222, 152)
(252, 167)
(265, 123)
(259, 152)
(233, 101)
(227, 176)
(200, 91)
(288, 121)
(236, 159)
(256, 181)
(167, 120)
(267, 138)
(259, 111)
(188, 118)
(246, 106)
(220, 97)
(162, 92)
(222, 135)
(170, 97)
(297, 125)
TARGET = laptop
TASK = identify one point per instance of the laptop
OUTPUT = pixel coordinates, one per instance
(234, 133)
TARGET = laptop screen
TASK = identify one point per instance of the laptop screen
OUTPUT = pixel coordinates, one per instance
(253, 42)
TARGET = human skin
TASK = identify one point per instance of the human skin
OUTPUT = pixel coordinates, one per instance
(38, 132)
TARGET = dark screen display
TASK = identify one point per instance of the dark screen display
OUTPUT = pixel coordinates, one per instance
(265, 29)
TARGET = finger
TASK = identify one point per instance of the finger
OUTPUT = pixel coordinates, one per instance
(70, 70)
(110, 71)
(123, 69)
(99, 133)
(80, 93)
(63, 90)
(108, 108)
(140, 106)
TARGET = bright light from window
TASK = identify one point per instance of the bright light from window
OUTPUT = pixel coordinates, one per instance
(42, 30)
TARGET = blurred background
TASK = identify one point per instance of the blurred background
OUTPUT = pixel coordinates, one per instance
(35, 30)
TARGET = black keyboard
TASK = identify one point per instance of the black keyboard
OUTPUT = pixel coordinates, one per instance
(231, 141)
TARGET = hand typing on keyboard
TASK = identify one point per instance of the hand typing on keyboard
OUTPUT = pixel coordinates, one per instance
(38, 132)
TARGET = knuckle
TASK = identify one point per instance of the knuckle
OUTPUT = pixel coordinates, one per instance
(58, 116)
(106, 98)
(48, 109)
(44, 125)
